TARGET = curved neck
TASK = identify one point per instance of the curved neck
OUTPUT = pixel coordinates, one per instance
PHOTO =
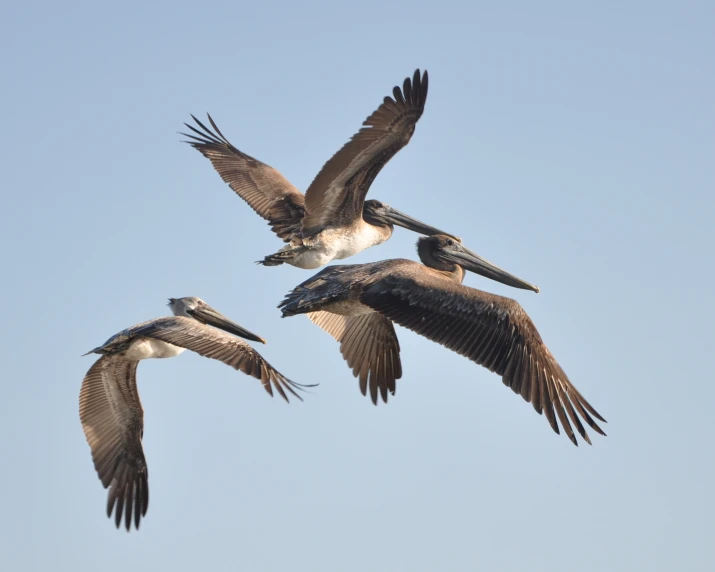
(453, 272)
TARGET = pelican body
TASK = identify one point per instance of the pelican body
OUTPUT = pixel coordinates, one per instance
(332, 220)
(109, 407)
(358, 304)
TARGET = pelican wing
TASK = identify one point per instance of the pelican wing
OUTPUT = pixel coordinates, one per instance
(113, 422)
(336, 195)
(265, 190)
(216, 344)
(490, 330)
(369, 344)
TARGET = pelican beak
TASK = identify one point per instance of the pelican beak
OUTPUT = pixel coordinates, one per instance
(475, 263)
(207, 315)
(394, 216)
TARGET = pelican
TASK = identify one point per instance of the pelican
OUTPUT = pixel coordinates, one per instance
(357, 305)
(333, 220)
(109, 406)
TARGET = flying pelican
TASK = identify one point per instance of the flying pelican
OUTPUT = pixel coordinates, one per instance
(109, 407)
(357, 304)
(333, 219)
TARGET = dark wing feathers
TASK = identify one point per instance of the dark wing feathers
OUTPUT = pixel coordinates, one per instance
(369, 345)
(113, 419)
(266, 191)
(492, 331)
(216, 344)
(336, 195)
(113, 422)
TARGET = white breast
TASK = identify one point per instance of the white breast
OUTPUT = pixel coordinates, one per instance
(339, 243)
(314, 258)
(145, 348)
(361, 236)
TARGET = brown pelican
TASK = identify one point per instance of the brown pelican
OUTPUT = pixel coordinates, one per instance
(357, 305)
(333, 219)
(109, 407)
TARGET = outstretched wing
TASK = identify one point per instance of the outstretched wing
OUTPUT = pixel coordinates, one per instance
(369, 344)
(113, 422)
(265, 190)
(336, 195)
(219, 345)
(490, 330)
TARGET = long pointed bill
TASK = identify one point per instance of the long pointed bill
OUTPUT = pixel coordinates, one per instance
(475, 263)
(406, 221)
(212, 317)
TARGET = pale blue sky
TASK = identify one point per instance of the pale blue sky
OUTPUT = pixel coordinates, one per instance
(571, 143)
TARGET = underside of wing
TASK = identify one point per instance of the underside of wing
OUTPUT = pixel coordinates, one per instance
(266, 191)
(216, 344)
(492, 331)
(336, 195)
(113, 422)
(369, 345)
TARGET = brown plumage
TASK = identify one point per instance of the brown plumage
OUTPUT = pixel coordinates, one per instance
(323, 224)
(113, 422)
(429, 299)
(336, 195)
(265, 190)
(111, 412)
(368, 343)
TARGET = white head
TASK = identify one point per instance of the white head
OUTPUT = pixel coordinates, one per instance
(196, 309)
(182, 306)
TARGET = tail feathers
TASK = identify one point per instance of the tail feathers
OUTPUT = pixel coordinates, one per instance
(330, 285)
(300, 300)
(283, 256)
(275, 259)
(304, 299)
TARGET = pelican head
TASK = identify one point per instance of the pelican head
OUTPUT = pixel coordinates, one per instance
(197, 309)
(442, 252)
(378, 213)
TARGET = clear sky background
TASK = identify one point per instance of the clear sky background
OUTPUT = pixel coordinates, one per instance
(571, 143)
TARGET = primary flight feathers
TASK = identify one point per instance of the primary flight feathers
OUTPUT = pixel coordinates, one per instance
(109, 406)
(333, 220)
(357, 304)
